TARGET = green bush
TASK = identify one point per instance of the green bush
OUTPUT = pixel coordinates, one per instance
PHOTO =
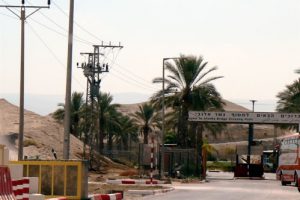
(220, 165)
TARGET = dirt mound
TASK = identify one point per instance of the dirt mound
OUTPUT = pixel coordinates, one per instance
(41, 134)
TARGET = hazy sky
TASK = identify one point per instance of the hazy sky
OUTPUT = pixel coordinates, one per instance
(254, 43)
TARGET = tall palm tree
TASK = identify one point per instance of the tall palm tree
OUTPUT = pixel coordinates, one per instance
(186, 77)
(145, 117)
(206, 98)
(107, 118)
(77, 104)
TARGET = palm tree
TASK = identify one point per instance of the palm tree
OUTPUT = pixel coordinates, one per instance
(77, 104)
(188, 77)
(145, 117)
(289, 99)
(107, 119)
(128, 132)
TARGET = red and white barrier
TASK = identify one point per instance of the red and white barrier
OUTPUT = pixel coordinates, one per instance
(132, 181)
(116, 196)
(6, 191)
(21, 188)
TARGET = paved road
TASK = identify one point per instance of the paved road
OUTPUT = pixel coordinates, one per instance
(223, 187)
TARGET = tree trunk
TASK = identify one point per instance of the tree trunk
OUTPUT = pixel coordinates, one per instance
(199, 145)
(184, 125)
(110, 141)
(146, 133)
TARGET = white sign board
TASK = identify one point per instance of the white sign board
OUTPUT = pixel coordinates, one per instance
(245, 117)
(289, 151)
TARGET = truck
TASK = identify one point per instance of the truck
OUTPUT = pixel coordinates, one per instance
(288, 170)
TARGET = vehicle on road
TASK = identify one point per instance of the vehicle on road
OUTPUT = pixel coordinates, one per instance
(288, 171)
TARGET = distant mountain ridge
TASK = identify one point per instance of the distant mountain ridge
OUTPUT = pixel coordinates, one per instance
(46, 104)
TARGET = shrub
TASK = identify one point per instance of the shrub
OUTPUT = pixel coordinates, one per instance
(220, 165)
(29, 142)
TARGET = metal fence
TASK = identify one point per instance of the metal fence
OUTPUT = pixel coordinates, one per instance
(58, 178)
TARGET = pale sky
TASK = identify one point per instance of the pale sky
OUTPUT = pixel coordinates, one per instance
(254, 43)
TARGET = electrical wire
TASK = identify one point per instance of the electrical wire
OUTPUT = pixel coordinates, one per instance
(77, 24)
(60, 27)
(10, 16)
(127, 72)
(128, 77)
(126, 80)
(62, 34)
(51, 52)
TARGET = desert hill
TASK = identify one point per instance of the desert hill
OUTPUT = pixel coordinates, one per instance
(41, 133)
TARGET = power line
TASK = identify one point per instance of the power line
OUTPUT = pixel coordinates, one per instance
(125, 72)
(77, 24)
(62, 34)
(131, 78)
(128, 75)
(52, 52)
(60, 27)
(10, 16)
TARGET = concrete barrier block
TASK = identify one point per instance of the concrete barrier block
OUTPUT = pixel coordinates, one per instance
(33, 185)
(16, 171)
(6, 156)
(36, 197)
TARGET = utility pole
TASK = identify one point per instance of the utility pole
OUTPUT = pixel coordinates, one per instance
(92, 70)
(67, 117)
(23, 17)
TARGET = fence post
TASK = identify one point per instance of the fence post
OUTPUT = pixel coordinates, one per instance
(152, 161)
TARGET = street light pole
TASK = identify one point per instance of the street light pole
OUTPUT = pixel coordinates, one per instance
(250, 135)
(253, 102)
(163, 117)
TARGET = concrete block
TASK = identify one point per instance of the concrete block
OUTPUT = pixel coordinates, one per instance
(2, 154)
(6, 156)
(33, 185)
(16, 171)
(36, 197)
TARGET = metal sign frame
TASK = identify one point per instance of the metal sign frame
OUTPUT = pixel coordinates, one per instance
(245, 117)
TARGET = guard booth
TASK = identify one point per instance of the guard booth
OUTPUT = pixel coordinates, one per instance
(249, 166)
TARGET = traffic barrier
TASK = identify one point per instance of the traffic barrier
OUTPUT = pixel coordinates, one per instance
(115, 196)
(21, 188)
(130, 181)
(6, 191)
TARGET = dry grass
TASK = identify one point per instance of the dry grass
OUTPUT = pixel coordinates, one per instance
(130, 172)
(30, 142)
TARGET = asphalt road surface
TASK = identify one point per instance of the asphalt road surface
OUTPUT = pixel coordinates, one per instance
(223, 187)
